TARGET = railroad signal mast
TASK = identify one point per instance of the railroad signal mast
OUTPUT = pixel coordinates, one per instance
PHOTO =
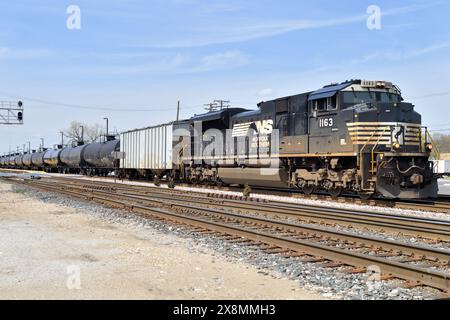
(11, 112)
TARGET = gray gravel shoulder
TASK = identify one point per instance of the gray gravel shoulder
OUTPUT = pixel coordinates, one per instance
(330, 283)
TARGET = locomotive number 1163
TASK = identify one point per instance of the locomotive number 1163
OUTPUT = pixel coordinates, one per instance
(326, 122)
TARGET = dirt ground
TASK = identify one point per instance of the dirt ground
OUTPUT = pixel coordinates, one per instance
(48, 251)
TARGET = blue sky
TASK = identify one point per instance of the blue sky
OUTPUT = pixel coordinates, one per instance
(134, 55)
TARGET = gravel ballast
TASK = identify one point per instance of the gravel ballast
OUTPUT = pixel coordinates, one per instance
(330, 283)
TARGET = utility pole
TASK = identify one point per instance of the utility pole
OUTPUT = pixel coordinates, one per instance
(222, 103)
(62, 139)
(178, 110)
(29, 147)
(107, 128)
(24, 149)
(42, 140)
(211, 106)
(82, 133)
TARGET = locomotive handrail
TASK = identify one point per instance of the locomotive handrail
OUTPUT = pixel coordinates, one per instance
(361, 159)
(375, 145)
(435, 147)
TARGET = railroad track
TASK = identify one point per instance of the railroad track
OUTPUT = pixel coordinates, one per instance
(436, 230)
(420, 265)
(442, 204)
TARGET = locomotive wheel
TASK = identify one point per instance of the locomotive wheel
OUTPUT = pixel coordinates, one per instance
(335, 191)
(365, 195)
(308, 190)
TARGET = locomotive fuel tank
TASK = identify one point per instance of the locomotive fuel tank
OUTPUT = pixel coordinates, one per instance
(265, 177)
(100, 154)
(72, 157)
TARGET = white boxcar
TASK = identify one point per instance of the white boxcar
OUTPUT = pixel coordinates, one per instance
(442, 166)
(147, 148)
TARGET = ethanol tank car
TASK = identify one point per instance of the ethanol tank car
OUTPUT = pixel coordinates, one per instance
(18, 161)
(26, 160)
(71, 159)
(37, 160)
(51, 160)
(98, 157)
(11, 161)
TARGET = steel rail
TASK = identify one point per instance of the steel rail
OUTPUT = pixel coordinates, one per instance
(367, 240)
(431, 228)
(428, 277)
(421, 205)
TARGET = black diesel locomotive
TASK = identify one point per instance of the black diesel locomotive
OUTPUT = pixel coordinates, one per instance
(358, 137)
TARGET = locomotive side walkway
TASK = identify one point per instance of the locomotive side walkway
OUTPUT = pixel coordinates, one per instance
(48, 251)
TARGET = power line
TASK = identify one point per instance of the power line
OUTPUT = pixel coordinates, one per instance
(440, 130)
(439, 94)
(77, 106)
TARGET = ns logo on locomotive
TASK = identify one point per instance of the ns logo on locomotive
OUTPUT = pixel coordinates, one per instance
(354, 137)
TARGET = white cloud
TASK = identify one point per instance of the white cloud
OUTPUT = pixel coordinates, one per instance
(402, 54)
(174, 64)
(223, 60)
(23, 54)
(429, 49)
(232, 32)
(266, 92)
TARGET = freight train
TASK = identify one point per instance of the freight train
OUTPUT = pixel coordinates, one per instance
(355, 137)
(90, 159)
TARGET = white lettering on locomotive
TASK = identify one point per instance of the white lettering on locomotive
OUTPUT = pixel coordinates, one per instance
(262, 127)
(326, 122)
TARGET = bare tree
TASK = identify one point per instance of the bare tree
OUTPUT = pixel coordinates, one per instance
(442, 142)
(91, 133)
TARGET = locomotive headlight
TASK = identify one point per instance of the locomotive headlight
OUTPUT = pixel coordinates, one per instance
(396, 146)
(429, 147)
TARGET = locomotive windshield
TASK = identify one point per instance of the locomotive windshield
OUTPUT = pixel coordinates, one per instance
(355, 97)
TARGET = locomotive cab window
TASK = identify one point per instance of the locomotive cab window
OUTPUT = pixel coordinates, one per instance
(320, 104)
(325, 104)
(332, 103)
(369, 97)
